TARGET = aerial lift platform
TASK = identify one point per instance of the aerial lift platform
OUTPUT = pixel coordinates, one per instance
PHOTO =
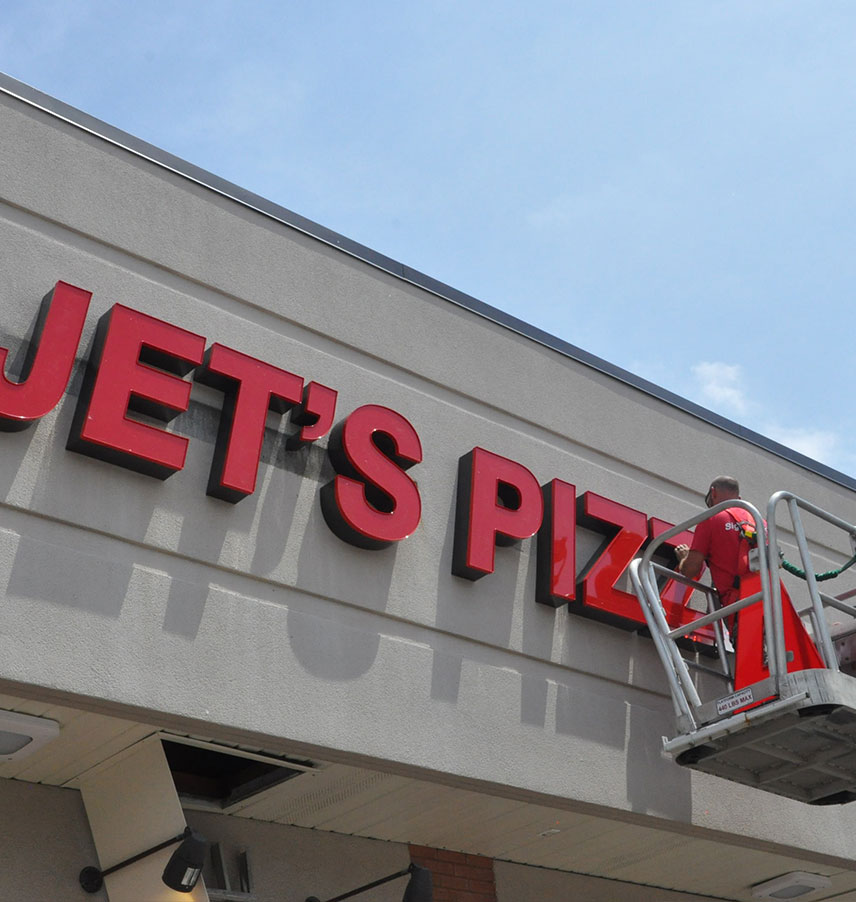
(778, 714)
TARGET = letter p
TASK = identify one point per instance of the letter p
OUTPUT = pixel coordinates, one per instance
(499, 502)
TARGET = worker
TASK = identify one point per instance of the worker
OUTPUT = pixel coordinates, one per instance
(724, 543)
(717, 543)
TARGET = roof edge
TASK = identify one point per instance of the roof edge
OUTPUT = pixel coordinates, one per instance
(35, 98)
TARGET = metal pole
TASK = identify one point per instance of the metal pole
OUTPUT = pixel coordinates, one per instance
(362, 889)
(157, 848)
(776, 653)
(769, 587)
(818, 620)
(715, 616)
(713, 605)
(655, 606)
(678, 697)
(92, 878)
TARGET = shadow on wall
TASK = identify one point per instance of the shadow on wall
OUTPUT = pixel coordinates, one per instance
(655, 784)
(261, 520)
(74, 578)
(540, 624)
(16, 444)
(279, 514)
(331, 648)
(483, 608)
(16, 449)
(278, 531)
(603, 711)
(129, 505)
(330, 567)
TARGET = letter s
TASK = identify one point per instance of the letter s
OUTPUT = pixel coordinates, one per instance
(372, 502)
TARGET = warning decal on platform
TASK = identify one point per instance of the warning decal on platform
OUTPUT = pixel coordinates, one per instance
(732, 702)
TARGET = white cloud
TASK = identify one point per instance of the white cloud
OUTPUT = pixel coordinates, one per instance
(723, 387)
(721, 384)
(818, 444)
(824, 445)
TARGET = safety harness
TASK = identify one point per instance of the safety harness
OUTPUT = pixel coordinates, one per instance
(747, 555)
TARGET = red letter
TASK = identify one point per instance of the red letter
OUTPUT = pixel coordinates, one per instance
(499, 502)
(251, 388)
(48, 364)
(556, 572)
(121, 377)
(599, 594)
(372, 503)
(314, 415)
(675, 595)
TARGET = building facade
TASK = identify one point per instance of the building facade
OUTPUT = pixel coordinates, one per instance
(324, 559)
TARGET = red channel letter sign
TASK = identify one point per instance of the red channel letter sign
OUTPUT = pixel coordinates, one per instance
(136, 381)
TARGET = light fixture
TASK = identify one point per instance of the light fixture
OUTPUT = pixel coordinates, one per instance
(181, 872)
(419, 888)
(794, 885)
(23, 734)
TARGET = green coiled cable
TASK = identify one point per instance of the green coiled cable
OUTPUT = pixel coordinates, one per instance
(820, 577)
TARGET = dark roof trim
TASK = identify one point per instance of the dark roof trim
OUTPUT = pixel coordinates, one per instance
(75, 117)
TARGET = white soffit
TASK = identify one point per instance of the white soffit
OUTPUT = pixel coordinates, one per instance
(367, 803)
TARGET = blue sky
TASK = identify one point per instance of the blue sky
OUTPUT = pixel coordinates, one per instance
(669, 185)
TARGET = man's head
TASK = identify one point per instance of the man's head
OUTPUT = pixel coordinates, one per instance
(723, 488)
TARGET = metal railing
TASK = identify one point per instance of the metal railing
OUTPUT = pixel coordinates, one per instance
(685, 696)
(818, 599)
(644, 571)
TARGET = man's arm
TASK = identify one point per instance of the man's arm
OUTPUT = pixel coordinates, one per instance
(690, 563)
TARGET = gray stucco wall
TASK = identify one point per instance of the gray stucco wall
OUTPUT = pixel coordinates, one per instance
(132, 594)
(44, 842)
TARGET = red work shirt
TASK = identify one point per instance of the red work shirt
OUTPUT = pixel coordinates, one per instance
(718, 539)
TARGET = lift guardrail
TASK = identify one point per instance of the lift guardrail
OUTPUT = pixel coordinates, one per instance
(793, 730)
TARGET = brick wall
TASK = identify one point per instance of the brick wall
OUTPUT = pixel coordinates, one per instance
(457, 877)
